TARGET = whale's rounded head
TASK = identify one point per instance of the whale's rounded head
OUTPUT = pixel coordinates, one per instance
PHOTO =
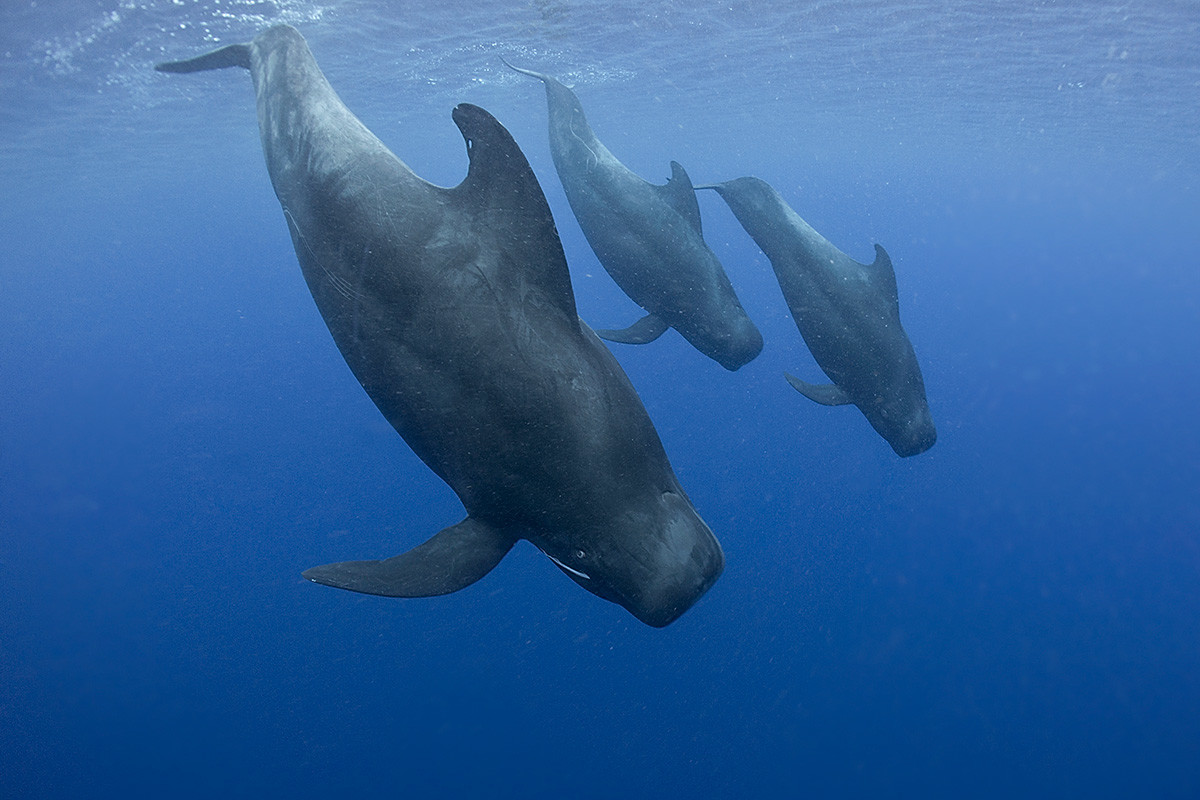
(740, 344)
(721, 328)
(905, 422)
(656, 560)
(916, 435)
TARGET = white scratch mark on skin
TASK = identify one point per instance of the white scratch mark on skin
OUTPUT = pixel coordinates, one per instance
(340, 284)
(571, 570)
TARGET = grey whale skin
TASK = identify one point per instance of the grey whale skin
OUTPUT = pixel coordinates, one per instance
(848, 314)
(453, 308)
(649, 239)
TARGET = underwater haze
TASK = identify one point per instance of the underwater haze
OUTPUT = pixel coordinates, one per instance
(1014, 613)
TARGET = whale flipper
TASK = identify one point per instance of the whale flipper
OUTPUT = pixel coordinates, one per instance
(235, 55)
(827, 394)
(645, 330)
(453, 559)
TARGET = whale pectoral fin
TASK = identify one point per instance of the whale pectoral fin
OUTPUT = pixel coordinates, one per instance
(679, 195)
(644, 331)
(827, 394)
(453, 559)
(234, 55)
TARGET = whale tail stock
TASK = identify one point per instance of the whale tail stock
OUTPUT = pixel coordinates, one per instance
(234, 55)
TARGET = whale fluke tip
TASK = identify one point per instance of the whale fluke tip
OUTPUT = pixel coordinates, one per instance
(234, 55)
(528, 72)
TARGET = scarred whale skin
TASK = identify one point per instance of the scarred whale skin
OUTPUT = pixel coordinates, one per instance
(649, 239)
(848, 314)
(453, 308)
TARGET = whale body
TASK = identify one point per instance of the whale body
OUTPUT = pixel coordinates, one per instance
(648, 238)
(453, 308)
(848, 314)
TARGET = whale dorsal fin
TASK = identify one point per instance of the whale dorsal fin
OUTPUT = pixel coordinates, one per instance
(884, 275)
(503, 194)
(679, 195)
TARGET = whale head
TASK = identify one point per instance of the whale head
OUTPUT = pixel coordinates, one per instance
(725, 334)
(655, 560)
(903, 419)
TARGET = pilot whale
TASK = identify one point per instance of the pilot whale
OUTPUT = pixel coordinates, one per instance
(848, 314)
(648, 238)
(453, 308)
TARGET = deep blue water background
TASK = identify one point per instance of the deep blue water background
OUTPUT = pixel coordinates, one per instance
(1014, 613)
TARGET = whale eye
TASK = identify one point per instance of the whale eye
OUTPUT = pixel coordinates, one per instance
(580, 554)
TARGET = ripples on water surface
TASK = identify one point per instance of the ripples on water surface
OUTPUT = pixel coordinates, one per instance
(1110, 75)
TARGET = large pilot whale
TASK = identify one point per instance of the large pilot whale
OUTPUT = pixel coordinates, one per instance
(648, 238)
(848, 314)
(453, 308)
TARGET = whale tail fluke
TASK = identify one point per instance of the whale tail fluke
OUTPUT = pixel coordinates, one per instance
(234, 55)
(529, 72)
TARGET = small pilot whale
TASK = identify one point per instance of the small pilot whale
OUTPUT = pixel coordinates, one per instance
(649, 240)
(453, 308)
(848, 314)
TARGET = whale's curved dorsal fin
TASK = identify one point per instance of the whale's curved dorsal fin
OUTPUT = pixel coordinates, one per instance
(679, 195)
(884, 274)
(502, 192)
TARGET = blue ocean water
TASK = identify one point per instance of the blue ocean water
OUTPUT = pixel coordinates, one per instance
(1014, 613)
